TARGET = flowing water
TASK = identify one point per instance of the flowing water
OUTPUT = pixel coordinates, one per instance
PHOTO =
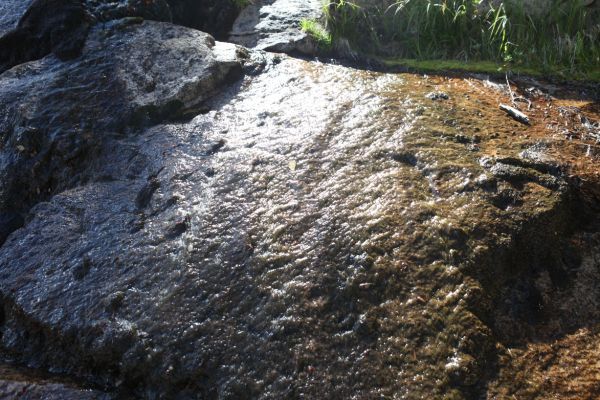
(369, 227)
(319, 231)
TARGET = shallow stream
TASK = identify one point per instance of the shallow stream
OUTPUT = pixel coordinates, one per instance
(320, 231)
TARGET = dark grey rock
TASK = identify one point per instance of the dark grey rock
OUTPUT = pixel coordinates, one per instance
(11, 12)
(529, 167)
(27, 384)
(405, 157)
(27, 390)
(57, 26)
(437, 96)
(9, 222)
(108, 10)
(58, 116)
(213, 16)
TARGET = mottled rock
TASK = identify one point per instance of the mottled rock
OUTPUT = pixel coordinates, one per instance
(11, 12)
(518, 170)
(437, 96)
(25, 384)
(57, 116)
(274, 25)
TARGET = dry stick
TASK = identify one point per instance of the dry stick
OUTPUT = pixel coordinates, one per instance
(514, 99)
(523, 99)
(512, 96)
(514, 111)
(515, 114)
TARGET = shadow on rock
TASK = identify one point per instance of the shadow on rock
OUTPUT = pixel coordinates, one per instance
(49, 26)
(213, 16)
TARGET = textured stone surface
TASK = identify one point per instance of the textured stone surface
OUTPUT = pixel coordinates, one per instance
(58, 115)
(10, 13)
(48, 26)
(27, 390)
(274, 25)
(302, 230)
(25, 384)
(314, 230)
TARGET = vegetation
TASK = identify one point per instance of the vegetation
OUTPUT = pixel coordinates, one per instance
(563, 38)
(318, 32)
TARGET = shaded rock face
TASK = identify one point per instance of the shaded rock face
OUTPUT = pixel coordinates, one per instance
(11, 12)
(104, 10)
(274, 25)
(10, 221)
(49, 26)
(19, 383)
(57, 116)
(213, 16)
(61, 26)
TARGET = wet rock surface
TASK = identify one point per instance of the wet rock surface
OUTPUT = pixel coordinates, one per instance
(59, 116)
(48, 26)
(274, 25)
(188, 219)
(23, 384)
(269, 244)
(11, 12)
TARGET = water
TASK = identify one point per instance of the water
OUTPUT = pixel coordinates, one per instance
(319, 231)
(330, 236)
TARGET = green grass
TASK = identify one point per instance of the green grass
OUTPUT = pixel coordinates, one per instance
(486, 67)
(456, 65)
(320, 35)
(563, 40)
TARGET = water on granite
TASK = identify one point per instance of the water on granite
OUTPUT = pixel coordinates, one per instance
(319, 230)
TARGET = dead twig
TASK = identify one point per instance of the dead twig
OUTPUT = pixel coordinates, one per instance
(515, 114)
(512, 96)
(524, 100)
(514, 99)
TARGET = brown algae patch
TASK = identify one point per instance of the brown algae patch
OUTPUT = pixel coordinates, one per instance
(551, 348)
